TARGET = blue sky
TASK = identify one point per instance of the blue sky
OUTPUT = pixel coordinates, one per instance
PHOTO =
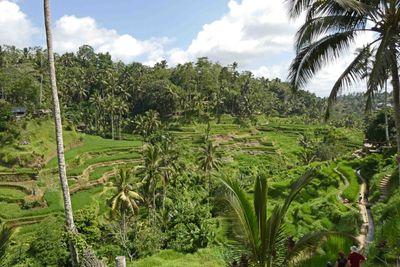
(178, 19)
(255, 33)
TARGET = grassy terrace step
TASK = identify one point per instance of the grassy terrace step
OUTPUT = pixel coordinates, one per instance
(95, 143)
(13, 210)
(11, 193)
(17, 176)
(351, 192)
(22, 187)
(100, 171)
(27, 220)
(76, 171)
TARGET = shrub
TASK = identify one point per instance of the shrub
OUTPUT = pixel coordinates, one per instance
(49, 246)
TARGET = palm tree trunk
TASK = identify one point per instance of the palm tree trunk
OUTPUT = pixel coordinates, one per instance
(123, 226)
(396, 102)
(386, 117)
(164, 192)
(59, 137)
(119, 127)
(112, 124)
(41, 91)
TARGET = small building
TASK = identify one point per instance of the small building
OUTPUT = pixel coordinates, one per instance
(42, 113)
(19, 112)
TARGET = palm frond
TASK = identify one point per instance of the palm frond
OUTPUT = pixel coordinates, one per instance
(296, 7)
(353, 72)
(260, 208)
(313, 28)
(297, 186)
(380, 66)
(244, 211)
(310, 59)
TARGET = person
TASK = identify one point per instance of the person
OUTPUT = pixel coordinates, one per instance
(355, 258)
(360, 198)
(341, 261)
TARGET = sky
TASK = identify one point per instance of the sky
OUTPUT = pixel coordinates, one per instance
(257, 34)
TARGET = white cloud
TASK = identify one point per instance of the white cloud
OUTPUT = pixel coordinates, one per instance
(272, 72)
(72, 32)
(15, 27)
(260, 37)
(251, 32)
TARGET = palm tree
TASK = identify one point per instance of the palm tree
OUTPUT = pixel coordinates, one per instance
(208, 161)
(147, 124)
(111, 107)
(124, 203)
(329, 30)
(152, 172)
(170, 163)
(59, 135)
(97, 101)
(265, 236)
(125, 200)
(122, 110)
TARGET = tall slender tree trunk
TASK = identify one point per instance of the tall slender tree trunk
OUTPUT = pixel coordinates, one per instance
(396, 102)
(59, 137)
(386, 117)
(112, 123)
(41, 91)
(41, 81)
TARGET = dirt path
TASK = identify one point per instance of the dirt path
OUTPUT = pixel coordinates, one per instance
(367, 228)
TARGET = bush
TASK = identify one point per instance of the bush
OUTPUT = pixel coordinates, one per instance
(49, 246)
(149, 239)
(87, 223)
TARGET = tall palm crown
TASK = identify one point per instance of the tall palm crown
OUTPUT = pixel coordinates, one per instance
(152, 172)
(125, 199)
(331, 27)
(208, 160)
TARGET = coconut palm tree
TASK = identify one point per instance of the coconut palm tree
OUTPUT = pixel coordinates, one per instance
(152, 172)
(208, 161)
(147, 124)
(265, 236)
(328, 32)
(59, 135)
(125, 203)
(125, 199)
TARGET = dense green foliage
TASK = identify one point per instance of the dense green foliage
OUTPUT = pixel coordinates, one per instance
(156, 194)
(102, 97)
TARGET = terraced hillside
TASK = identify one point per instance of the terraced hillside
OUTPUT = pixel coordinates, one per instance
(30, 192)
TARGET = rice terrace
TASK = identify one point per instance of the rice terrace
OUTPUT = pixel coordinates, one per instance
(213, 133)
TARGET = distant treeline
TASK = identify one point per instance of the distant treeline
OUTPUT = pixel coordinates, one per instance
(98, 94)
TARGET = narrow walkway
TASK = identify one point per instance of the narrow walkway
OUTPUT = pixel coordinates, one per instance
(367, 229)
(366, 235)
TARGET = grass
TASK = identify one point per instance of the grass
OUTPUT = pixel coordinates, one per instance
(169, 258)
(85, 198)
(351, 192)
(11, 193)
(40, 142)
(14, 211)
(94, 143)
